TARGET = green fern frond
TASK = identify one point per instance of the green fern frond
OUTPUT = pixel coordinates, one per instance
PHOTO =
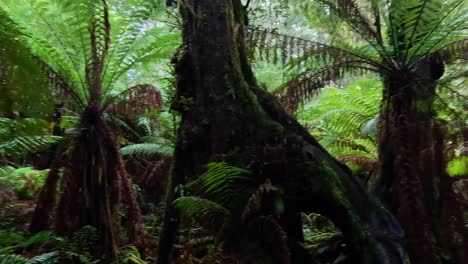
(20, 75)
(12, 259)
(20, 146)
(202, 210)
(422, 26)
(38, 238)
(130, 254)
(222, 182)
(304, 85)
(147, 149)
(46, 258)
(6, 170)
(301, 52)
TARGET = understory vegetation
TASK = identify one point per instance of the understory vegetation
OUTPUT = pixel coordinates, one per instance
(278, 131)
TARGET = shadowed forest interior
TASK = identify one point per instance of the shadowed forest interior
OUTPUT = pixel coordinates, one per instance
(234, 131)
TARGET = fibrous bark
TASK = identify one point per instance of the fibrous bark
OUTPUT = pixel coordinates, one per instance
(413, 181)
(226, 116)
(91, 186)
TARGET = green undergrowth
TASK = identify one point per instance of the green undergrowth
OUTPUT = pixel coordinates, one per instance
(25, 181)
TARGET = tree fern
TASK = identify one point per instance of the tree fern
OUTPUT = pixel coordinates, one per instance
(417, 30)
(66, 48)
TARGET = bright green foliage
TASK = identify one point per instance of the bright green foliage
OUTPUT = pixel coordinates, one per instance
(26, 182)
(146, 149)
(130, 255)
(46, 258)
(392, 36)
(19, 137)
(345, 120)
(222, 183)
(203, 211)
(458, 166)
(222, 192)
(63, 42)
(149, 138)
(11, 240)
(323, 238)
(76, 249)
(23, 87)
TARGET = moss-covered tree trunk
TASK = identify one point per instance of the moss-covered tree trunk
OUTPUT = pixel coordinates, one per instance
(226, 116)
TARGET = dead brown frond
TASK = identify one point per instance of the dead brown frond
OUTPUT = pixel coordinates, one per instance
(136, 101)
(367, 163)
(259, 200)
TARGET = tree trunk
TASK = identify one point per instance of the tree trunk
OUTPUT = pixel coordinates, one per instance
(412, 162)
(226, 116)
(91, 185)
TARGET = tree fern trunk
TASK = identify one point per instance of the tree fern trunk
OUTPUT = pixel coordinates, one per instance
(413, 176)
(90, 186)
(226, 116)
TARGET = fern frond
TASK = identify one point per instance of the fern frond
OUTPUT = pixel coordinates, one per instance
(136, 101)
(367, 163)
(12, 259)
(202, 210)
(135, 47)
(146, 149)
(222, 182)
(38, 238)
(304, 85)
(46, 258)
(346, 120)
(20, 75)
(425, 26)
(297, 50)
(6, 170)
(20, 146)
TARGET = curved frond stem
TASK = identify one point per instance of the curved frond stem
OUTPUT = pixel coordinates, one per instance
(301, 87)
(318, 44)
